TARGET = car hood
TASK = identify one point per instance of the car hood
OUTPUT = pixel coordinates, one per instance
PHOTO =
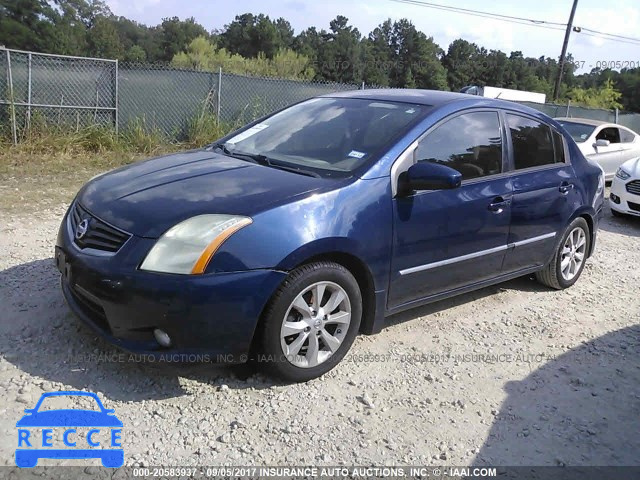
(69, 418)
(632, 167)
(149, 197)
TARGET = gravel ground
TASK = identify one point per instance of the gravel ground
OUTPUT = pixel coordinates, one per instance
(514, 374)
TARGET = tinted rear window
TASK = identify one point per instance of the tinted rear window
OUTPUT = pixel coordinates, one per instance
(532, 142)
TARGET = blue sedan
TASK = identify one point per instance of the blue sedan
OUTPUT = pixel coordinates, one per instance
(282, 241)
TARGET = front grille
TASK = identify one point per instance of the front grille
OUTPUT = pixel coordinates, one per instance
(634, 187)
(98, 235)
(634, 206)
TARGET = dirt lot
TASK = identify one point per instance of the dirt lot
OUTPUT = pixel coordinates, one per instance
(510, 375)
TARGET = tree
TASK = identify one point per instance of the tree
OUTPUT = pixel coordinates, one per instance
(104, 40)
(249, 35)
(177, 34)
(464, 64)
(418, 58)
(604, 97)
(24, 24)
(135, 54)
(202, 55)
(338, 55)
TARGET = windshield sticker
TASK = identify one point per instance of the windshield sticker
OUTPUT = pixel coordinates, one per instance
(411, 110)
(356, 154)
(583, 136)
(248, 133)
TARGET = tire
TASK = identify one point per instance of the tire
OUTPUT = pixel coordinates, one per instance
(318, 339)
(557, 274)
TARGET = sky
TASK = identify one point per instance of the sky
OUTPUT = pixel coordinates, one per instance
(620, 17)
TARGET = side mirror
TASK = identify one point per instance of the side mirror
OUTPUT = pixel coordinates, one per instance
(601, 142)
(430, 176)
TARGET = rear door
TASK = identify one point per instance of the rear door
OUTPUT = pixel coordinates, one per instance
(446, 239)
(629, 145)
(544, 191)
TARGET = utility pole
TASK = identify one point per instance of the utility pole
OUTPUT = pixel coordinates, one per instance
(556, 88)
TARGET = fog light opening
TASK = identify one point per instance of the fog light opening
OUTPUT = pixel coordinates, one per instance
(162, 337)
(615, 199)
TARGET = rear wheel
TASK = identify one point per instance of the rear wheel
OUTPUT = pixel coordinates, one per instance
(310, 322)
(570, 257)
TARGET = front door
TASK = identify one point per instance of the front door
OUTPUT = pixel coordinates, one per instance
(448, 239)
(609, 157)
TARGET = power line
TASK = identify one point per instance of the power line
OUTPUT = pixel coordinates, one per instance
(478, 13)
(522, 21)
(596, 33)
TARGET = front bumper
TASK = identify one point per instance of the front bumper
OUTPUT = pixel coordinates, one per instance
(621, 200)
(213, 314)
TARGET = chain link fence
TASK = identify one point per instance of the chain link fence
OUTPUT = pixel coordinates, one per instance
(59, 90)
(72, 92)
(627, 119)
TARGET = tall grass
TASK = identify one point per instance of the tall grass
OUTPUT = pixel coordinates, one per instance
(137, 138)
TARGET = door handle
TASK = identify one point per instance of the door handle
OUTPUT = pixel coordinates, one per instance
(498, 204)
(565, 187)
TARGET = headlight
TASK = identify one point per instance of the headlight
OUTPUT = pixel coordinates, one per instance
(621, 174)
(188, 246)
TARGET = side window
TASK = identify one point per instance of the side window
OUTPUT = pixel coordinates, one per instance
(626, 136)
(532, 142)
(470, 143)
(558, 146)
(610, 133)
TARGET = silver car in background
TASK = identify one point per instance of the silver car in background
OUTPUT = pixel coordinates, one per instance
(608, 144)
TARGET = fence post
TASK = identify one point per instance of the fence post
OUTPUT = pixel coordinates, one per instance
(617, 114)
(115, 100)
(219, 87)
(29, 96)
(568, 105)
(14, 129)
(362, 85)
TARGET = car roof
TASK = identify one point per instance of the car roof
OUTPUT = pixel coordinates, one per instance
(432, 98)
(586, 121)
(71, 393)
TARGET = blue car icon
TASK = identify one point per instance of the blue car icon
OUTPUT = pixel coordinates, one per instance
(35, 436)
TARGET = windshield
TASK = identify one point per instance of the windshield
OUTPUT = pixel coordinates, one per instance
(68, 402)
(331, 136)
(578, 131)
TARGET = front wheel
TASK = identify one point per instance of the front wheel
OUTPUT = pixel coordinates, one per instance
(310, 322)
(568, 262)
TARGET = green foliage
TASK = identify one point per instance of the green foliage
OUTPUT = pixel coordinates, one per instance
(249, 35)
(394, 54)
(135, 54)
(104, 39)
(604, 97)
(177, 34)
(138, 137)
(205, 128)
(202, 55)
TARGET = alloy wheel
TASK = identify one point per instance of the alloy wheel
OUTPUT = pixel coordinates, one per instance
(573, 253)
(316, 324)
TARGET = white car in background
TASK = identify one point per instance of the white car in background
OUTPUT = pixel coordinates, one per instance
(625, 189)
(607, 143)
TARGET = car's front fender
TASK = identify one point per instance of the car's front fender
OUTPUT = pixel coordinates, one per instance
(355, 219)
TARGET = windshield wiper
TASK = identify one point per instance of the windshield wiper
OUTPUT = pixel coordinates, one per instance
(264, 160)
